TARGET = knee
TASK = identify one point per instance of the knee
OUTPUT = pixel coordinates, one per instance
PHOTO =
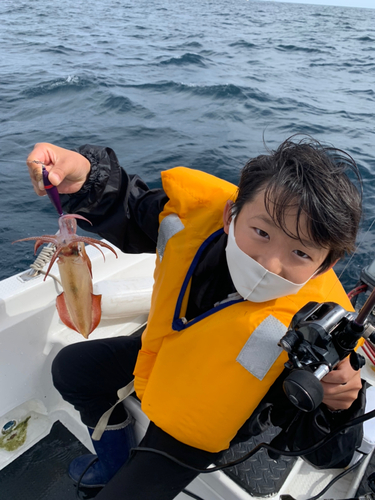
(67, 369)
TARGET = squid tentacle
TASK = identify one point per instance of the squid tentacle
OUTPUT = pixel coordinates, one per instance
(48, 238)
(91, 241)
(53, 260)
(74, 216)
(39, 240)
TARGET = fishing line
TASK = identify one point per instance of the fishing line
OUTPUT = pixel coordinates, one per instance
(334, 480)
(92, 462)
(12, 161)
(331, 483)
(307, 451)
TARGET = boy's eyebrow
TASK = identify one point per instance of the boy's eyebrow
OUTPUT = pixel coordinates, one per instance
(269, 221)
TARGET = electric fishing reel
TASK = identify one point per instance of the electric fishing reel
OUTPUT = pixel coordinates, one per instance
(320, 336)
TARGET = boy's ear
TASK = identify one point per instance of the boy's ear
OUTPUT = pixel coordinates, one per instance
(227, 215)
(326, 270)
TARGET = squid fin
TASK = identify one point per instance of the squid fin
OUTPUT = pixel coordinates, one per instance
(65, 316)
(63, 312)
(96, 311)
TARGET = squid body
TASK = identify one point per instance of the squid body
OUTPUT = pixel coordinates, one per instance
(77, 306)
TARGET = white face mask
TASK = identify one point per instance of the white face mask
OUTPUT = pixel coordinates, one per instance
(252, 281)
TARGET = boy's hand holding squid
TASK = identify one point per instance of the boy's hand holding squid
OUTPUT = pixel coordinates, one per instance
(67, 169)
(341, 386)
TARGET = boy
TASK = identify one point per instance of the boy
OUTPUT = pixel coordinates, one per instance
(232, 269)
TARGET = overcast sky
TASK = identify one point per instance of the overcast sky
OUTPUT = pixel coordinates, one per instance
(343, 3)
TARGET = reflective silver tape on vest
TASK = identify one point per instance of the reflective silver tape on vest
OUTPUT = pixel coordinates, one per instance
(261, 350)
(169, 226)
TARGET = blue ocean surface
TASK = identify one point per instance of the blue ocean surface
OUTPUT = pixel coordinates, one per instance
(165, 83)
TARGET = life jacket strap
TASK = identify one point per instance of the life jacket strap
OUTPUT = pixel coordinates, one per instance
(122, 394)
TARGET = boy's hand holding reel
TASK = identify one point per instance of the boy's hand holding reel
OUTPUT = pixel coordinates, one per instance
(320, 336)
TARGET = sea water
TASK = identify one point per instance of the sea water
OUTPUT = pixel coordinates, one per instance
(197, 83)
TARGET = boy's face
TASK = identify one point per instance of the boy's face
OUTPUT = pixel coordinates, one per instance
(257, 235)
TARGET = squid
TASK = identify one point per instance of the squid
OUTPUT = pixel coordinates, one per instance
(77, 306)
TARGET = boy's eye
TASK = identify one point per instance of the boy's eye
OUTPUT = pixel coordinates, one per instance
(301, 254)
(261, 233)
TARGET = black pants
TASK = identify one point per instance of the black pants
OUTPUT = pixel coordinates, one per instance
(88, 375)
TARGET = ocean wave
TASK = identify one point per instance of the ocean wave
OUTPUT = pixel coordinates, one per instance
(59, 49)
(243, 43)
(185, 59)
(57, 85)
(321, 14)
(318, 64)
(194, 45)
(226, 91)
(366, 38)
(16, 9)
(122, 104)
(367, 93)
(225, 116)
(304, 128)
(296, 48)
(142, 132)
(355, 66)
(223, 91)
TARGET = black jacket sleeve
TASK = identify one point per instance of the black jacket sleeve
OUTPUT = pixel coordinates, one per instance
(301, 430)
(121, 207)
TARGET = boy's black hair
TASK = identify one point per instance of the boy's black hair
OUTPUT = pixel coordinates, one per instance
(313, 179)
